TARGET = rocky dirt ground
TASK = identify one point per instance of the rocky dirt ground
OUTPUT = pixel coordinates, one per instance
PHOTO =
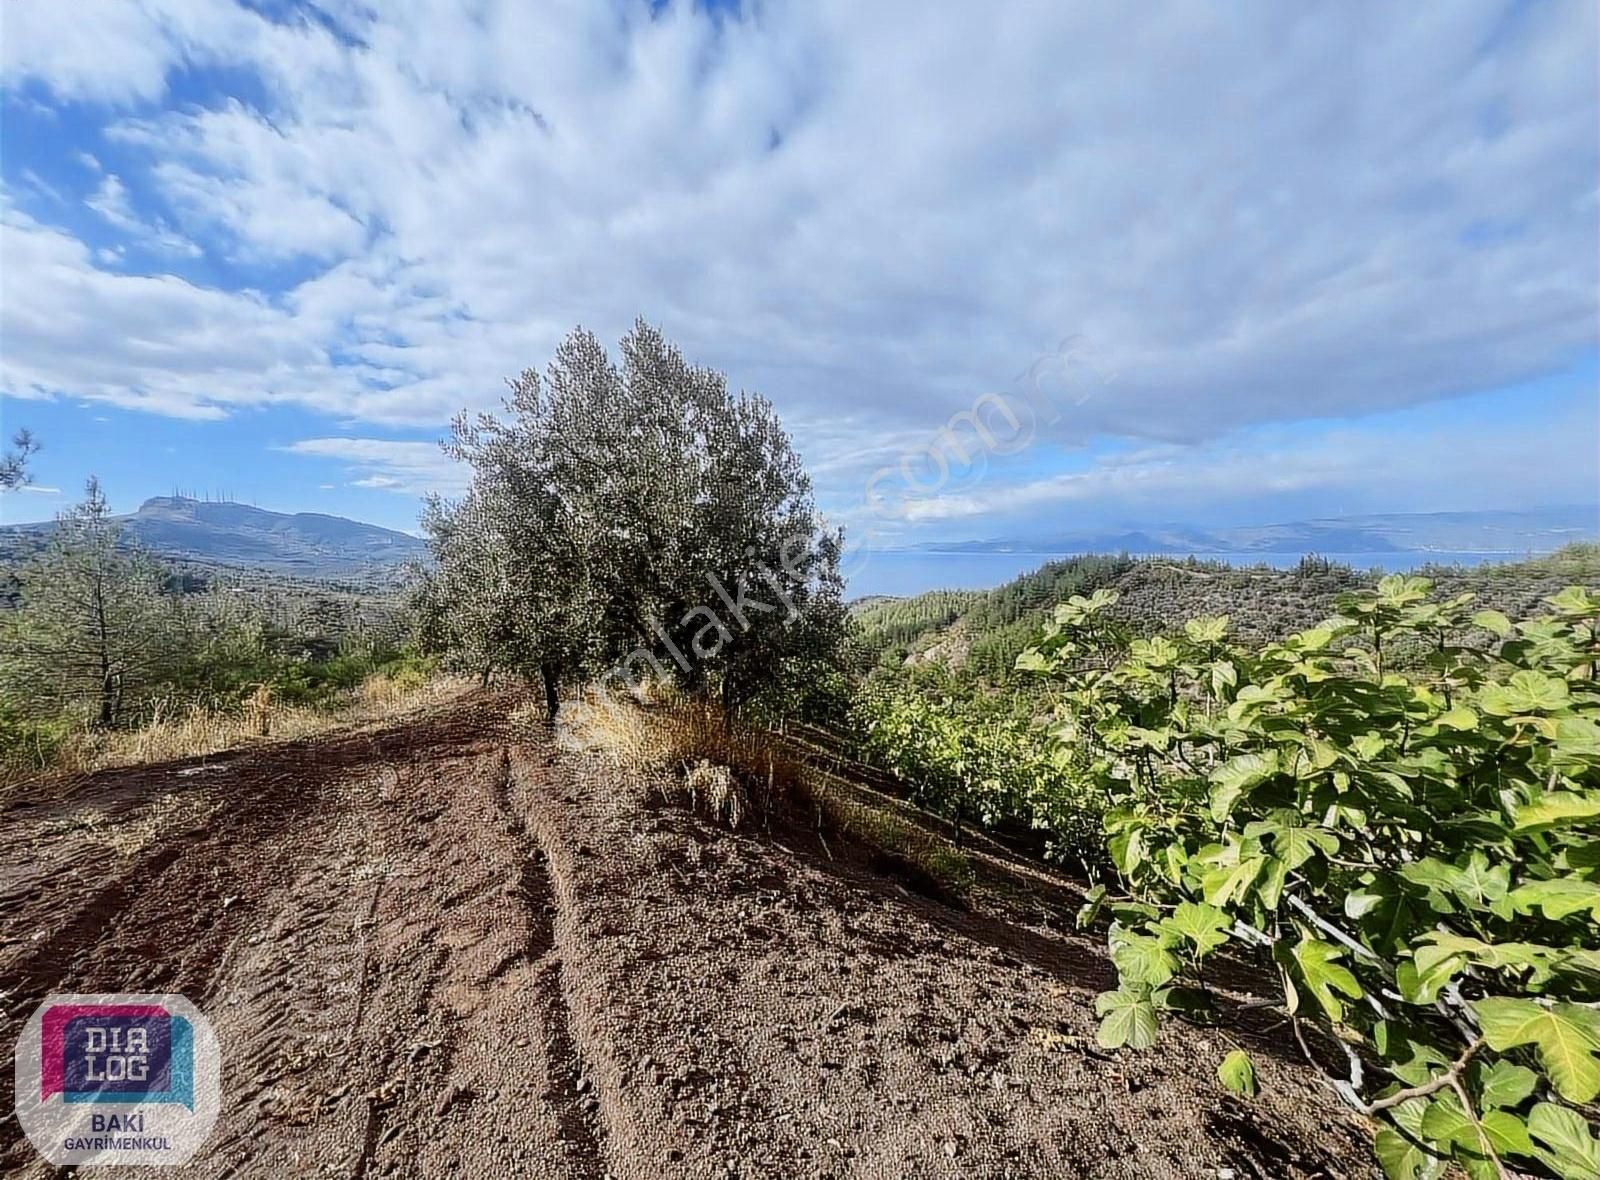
(447, 948)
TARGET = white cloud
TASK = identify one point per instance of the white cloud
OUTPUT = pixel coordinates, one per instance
(116, 51)
(207, 167)
(163, 344)
(43, 187)
(111, 201)
(110, 50)
(1252, 214)
(151, 342)
(1353, 468)
(391, 465)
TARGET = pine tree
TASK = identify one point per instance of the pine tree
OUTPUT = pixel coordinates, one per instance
(14, 463)
(95, 628)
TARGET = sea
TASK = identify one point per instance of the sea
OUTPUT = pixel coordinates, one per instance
(904, 572)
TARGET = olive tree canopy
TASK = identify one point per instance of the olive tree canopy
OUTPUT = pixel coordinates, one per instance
(631, 519)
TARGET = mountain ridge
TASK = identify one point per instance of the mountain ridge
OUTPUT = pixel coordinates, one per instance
(1538, 530)
(226, 532)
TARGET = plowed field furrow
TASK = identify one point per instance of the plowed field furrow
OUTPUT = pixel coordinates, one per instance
(443, 949)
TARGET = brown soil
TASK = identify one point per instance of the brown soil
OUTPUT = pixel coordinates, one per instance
(445, 949)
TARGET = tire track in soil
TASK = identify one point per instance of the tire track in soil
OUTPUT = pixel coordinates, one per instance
(30, 976)
(380, 1105)
(533, 881)
(570, 1088)
(128, 935)
(452, 971)
(376, 1117)
(387, 1113)
(236, 911)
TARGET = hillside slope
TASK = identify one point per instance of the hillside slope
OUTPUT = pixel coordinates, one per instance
(984, 631)
(448, 948)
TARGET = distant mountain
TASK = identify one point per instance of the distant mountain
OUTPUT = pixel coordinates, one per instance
(310, 544)
(1536, 531)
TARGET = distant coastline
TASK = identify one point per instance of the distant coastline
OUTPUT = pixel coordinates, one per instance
(906, 572)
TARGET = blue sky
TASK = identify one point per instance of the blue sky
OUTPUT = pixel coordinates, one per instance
(1258, 262)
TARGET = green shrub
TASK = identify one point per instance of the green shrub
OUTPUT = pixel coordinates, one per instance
(32, 745)
(322, 681)
(1415, 856)
(976, 760)
(409, 671)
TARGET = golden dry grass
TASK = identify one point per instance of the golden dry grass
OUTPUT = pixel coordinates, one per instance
(678, 735)
(196, 731)
(688, 752)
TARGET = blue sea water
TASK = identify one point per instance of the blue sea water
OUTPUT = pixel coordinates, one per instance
(905, 572)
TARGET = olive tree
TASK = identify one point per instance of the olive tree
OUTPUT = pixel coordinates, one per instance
(636, 516)
(494, 597)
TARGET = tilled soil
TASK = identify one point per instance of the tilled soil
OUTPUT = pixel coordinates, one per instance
(447, 949)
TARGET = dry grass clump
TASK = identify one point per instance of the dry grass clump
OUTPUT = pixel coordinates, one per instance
(196, 731)
(715, 788)
(406, 689)
(690, 753)
(687, 751)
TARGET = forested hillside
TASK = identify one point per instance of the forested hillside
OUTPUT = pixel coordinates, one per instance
(980, 633)
(106, 649)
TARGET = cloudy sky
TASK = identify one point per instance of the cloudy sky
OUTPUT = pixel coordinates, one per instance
(1237, 262)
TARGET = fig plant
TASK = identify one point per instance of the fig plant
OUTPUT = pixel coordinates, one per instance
(1397, 813)
(981, 765)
